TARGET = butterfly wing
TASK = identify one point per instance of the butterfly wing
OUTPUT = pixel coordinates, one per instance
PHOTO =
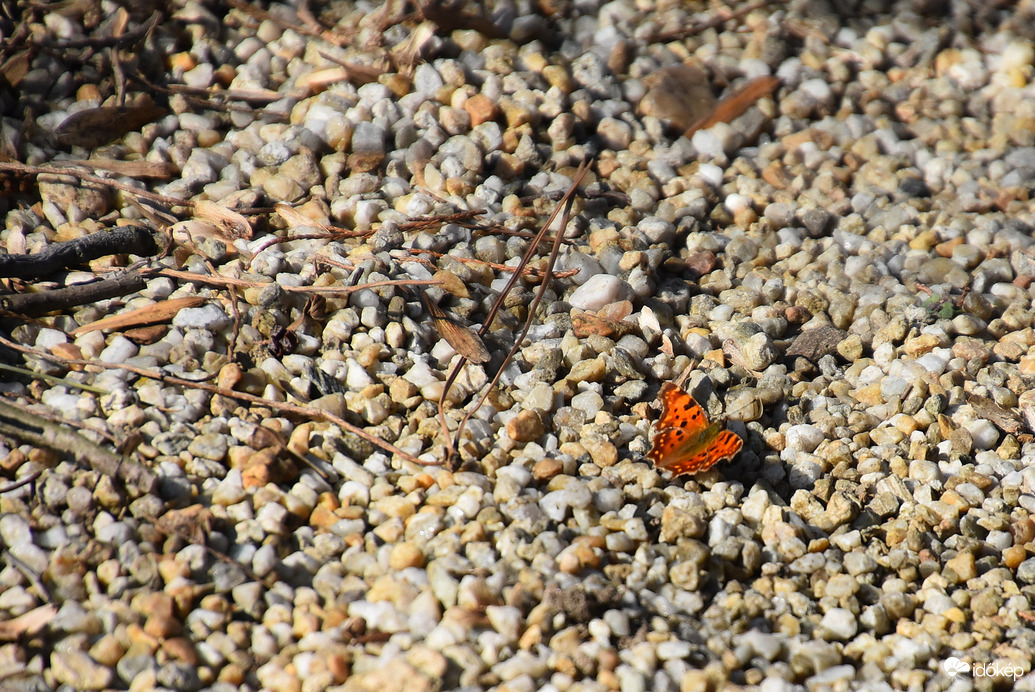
(723, 448)
(679, 410)
(684, 441)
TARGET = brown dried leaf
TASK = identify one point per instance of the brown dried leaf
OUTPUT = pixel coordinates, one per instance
(452, 283)
(737, 103)
(159, 312)
(27, 624)
(146, 335)
(813, 344)
(463, 340)
(96, 126)
(234, 225)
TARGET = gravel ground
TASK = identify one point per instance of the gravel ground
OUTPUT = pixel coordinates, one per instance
(846, 269)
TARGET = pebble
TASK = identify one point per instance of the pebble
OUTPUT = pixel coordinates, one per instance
(877, 517)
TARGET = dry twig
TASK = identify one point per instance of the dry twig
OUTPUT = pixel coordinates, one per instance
(283, 407)
(24, 425)
(565, 204)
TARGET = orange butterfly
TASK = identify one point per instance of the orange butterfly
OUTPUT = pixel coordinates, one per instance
(684, 440)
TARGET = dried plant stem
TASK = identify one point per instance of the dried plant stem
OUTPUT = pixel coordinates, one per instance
(283, 407)
(244, 283)
(565, 204)
(29, 427)
(78, 174)
(529, 271)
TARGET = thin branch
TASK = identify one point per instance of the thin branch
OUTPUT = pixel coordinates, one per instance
(76, 173)
(20, 424)
(78, 294)
(222, 391)
(130, 240)
(566, 202)
(331, 290)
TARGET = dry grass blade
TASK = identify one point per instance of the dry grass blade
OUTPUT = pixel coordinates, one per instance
(431, 221)
(736, 104)
(565, 204)
(152, 314)
(529, 271)
(463, 340)
(294, 409)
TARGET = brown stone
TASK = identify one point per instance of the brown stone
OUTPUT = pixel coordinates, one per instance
(525, 427)
(481, 109)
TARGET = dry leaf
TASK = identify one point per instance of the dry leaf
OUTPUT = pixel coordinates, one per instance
(159, 312)
(463, 340)
(452, 283)
(193, 523)
(736, 104)
(232, 224)
(146, 335)
(194, 231)
(585, 323)
(96, 126)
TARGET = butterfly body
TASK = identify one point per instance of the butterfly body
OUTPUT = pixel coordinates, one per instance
(684, 440)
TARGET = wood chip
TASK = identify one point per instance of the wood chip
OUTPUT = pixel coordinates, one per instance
(15, 68)
(27, 624)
